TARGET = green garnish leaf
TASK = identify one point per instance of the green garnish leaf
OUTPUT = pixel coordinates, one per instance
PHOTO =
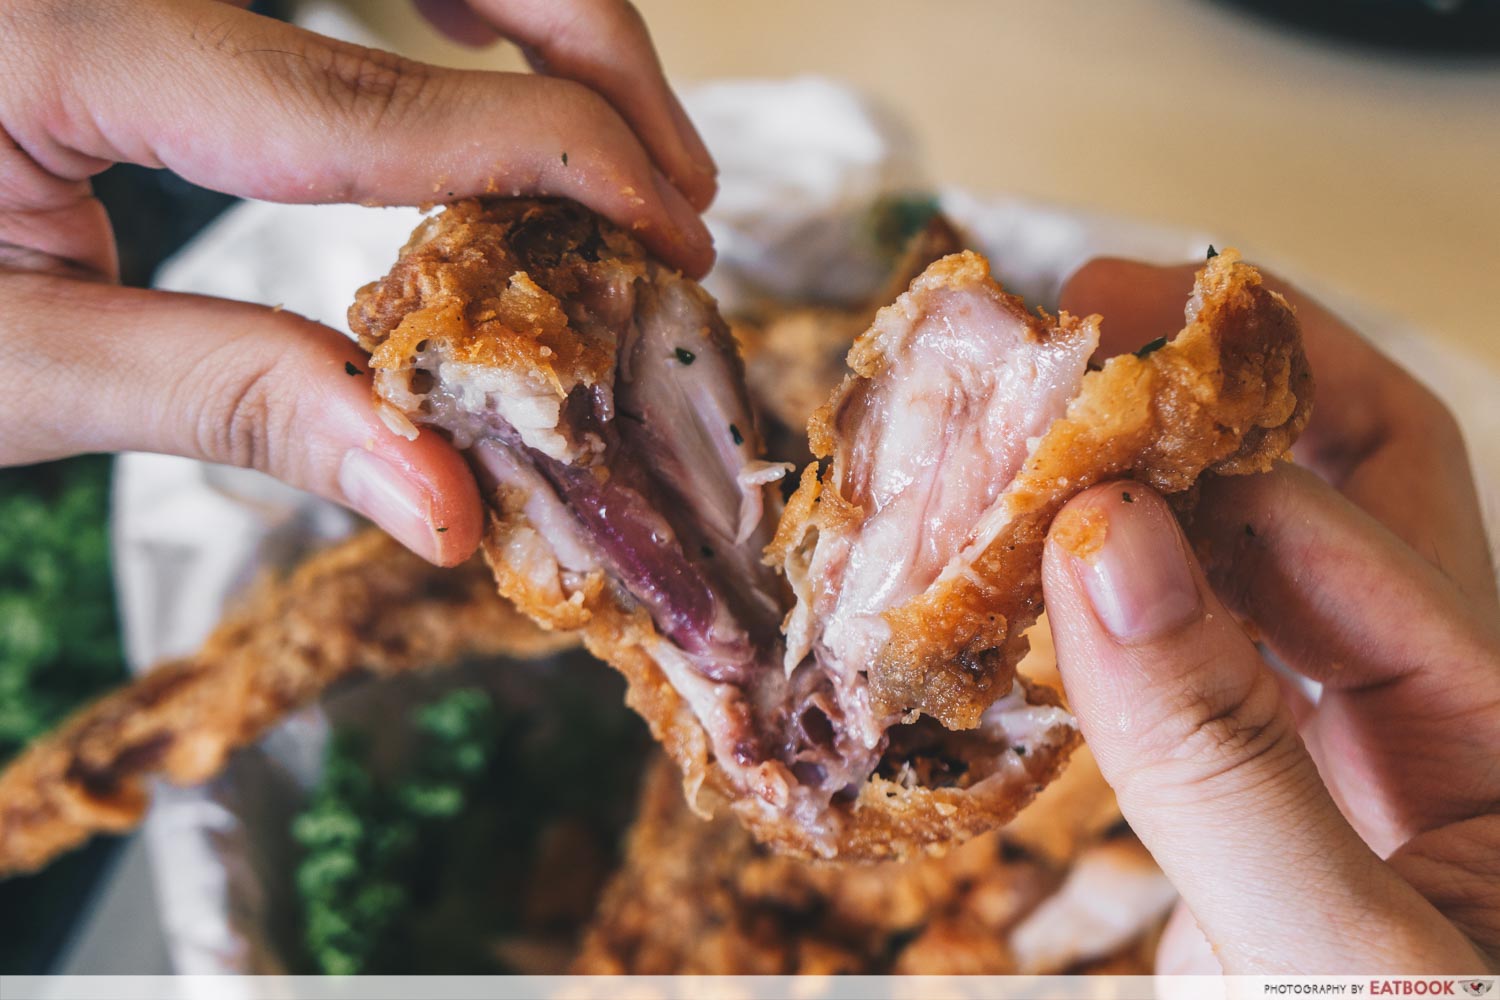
(59, 636)
(734, 432)
(1212, 253)
(349, 369)
(686, 356)
(565, 159)
(364, 842)
(1127, 497)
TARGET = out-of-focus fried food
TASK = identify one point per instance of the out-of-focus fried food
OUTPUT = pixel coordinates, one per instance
(365, 605)
(1077, 808)
(696, 897)
(1111, 895)
(604, 409)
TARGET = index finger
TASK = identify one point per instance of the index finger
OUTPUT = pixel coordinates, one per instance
(605, 45)
(265, 110)
(1377, 434)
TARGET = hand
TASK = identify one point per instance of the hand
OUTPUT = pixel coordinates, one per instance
(243, 104)
(1360, 833)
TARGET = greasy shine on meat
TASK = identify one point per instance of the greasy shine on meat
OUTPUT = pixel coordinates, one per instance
(854, 694)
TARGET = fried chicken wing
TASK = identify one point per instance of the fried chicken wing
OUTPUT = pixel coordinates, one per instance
(603, 406)
(365, 605)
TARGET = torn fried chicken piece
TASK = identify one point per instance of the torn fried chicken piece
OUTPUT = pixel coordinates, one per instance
(967, 424)
(365, 605)
(998, 904)
(603, 407)
(755, 912)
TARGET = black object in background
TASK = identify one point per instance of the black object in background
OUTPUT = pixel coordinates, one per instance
(154, 213)
(1434, 27)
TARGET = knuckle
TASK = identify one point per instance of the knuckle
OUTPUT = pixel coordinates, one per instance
(631, 22)
(359, 88)
(41, 41)
(1457, 868)
(375, 87)
(581, 35)
(236, 417)
(1213, 739)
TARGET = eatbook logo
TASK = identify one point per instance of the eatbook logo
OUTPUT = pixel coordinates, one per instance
(1478, 987)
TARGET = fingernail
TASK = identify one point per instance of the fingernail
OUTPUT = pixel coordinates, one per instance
(695, 235)
(1136, 575)
(380, 492)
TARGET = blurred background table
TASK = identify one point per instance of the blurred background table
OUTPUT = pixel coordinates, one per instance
(1373, 172)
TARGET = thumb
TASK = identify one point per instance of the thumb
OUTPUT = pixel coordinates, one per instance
(1189, 727)
(92, 367)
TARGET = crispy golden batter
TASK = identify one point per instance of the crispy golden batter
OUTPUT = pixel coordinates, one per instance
(366, 604)
(696, 897)
(914, 810)
(1227, 395)
(459, 279)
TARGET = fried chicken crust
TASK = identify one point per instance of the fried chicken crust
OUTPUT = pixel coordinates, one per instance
(488, 280)
(459, 264)
(364, 605)
(1226, 396)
